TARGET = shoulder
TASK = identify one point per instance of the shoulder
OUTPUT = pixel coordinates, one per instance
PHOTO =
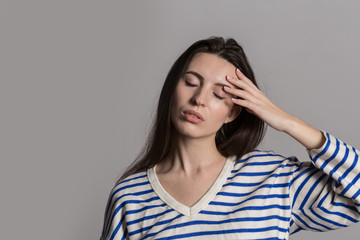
(123, 194)
(130, 187)
(134, 178)
(261, 159)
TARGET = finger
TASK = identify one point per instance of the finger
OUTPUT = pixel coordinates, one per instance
(248, 105)
(237, 93)
(243, 103)
(244, 98)
(242, 84)
(242, 76)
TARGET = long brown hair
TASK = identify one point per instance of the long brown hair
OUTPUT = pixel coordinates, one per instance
(238, 137)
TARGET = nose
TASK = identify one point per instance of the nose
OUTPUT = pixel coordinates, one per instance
(199, 97)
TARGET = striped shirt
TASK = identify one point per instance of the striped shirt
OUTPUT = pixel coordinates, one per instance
(261, 196)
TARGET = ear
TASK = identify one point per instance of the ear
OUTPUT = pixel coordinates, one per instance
(235, 111)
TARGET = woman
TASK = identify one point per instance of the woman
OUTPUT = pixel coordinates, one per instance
(200, 177)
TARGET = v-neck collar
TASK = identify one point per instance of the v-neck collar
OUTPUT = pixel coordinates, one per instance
(203, 201)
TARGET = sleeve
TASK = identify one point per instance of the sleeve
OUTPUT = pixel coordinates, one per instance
(114, 227)
(325, 193)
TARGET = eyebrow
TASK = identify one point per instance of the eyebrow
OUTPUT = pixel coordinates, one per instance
(202, 79)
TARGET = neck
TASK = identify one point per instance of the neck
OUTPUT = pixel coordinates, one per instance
(193, 155)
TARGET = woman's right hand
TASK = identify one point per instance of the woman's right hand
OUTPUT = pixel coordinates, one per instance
(248, 96)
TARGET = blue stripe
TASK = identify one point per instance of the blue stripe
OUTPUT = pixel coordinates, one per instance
(302, 186)
(355, 196)
(326, 162)
(311, 190)
(324, 150)
(250, 174)
(301, 174)
(129, 202)
(256, 174)
(341, 162)
(122, 188)
(258, 156)
(292, 222)
(111, 206)
(117, 228)
(276, 185)
(141, 209)
(304, 223)
(315, 222)
(124, 235)
(347, 173)
(295, 231)
(130, 179)
(263, 163)
(232, 194)
(137, 193)
(223, 232)
(339, 214)
(326, 219)
(144, 229)
(272, 238)
(232, 220)
(250, 198)
(277, 167)
(352, 208)
(149, 217)
(248, 208)
(144, 208)
(328, 183)
(140, 201)
(130, 186)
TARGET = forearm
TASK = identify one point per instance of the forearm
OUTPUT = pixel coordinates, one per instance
(305, 134)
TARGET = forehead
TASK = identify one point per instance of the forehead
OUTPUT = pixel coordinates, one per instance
(211, 66)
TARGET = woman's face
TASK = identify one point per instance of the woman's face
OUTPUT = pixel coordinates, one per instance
(201, 106)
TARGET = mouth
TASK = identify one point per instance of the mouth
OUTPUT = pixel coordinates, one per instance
(194, 114)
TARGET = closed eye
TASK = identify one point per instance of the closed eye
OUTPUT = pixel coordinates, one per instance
(218, 96)
(190, 84)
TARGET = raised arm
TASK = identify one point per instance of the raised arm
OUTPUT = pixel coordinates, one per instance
(325, 193)
(248, 96)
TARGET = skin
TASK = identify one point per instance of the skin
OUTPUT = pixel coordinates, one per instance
(202, 89)
(255, 101)
(189, 173)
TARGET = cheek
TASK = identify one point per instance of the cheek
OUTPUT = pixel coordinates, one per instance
(181, 95)
(177, 98)
(221, 112)
(222, 106)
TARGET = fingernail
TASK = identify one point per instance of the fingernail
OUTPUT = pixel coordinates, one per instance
(228, 77)
(226, 88)
(238, 70)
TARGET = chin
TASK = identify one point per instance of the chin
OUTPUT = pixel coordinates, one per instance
(190, 132)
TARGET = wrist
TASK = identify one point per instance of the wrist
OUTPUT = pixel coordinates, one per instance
(290, 123)
(309, 137)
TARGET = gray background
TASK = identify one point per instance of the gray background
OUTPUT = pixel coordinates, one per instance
(80, 79)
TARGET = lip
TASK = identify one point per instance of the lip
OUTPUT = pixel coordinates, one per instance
(193, 116)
